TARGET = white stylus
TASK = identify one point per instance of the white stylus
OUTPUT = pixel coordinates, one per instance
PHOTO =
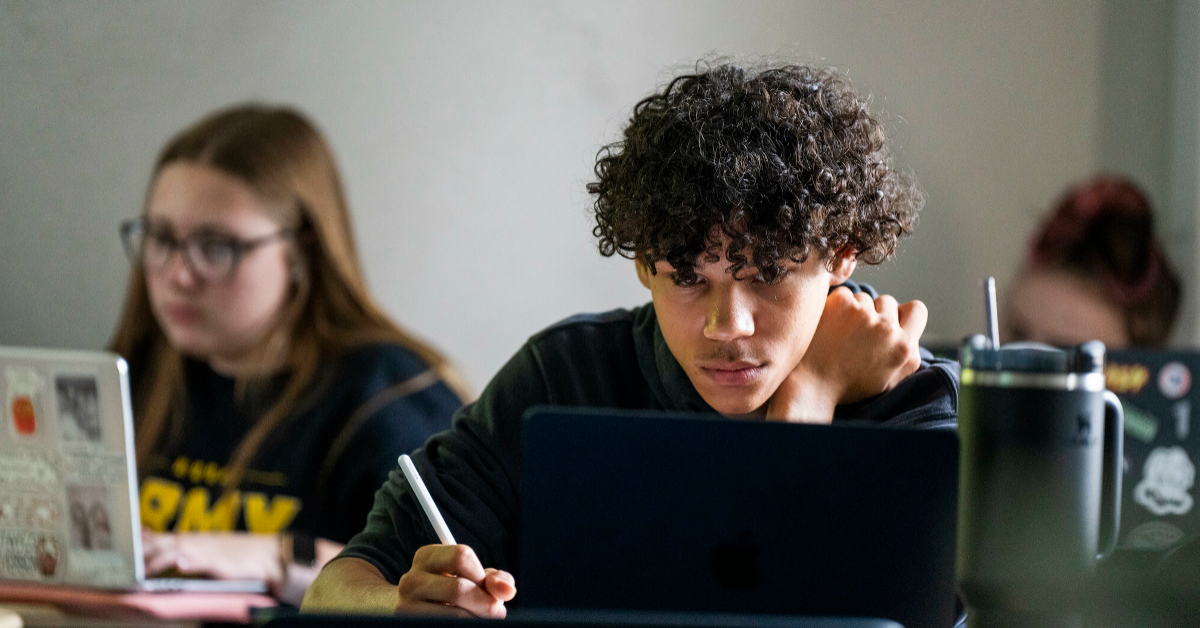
(430, 508)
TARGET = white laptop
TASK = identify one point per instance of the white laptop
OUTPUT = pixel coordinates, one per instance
(68, 476)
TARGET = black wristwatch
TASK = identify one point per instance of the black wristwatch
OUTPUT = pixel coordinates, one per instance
(304, 548)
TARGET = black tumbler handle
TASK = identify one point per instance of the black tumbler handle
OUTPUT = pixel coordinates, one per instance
(1114, 454)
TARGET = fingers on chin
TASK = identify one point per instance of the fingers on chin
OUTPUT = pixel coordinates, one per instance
(886, 302)
(914, 310)
(842, 297)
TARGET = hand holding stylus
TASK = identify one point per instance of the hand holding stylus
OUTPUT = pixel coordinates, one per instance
(448, 578)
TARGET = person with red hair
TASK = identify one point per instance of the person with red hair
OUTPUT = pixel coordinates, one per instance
(1095, 271)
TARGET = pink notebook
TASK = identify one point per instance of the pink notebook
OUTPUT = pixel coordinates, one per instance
(229, 607)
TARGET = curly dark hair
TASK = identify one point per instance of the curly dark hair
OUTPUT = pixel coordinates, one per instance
(783, 161)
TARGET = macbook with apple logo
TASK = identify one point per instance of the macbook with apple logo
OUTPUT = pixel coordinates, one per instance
(664, 512)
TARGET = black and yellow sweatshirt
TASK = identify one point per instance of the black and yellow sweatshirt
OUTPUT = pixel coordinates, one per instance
(319, 471)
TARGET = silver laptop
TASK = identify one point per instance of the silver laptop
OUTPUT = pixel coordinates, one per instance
(68, 477)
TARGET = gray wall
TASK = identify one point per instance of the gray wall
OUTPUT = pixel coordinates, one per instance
(1134, 108)
(1183, 162)
(467, 131)
(1149, 123)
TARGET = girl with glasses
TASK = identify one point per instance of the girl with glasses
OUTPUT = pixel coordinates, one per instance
(272, 395)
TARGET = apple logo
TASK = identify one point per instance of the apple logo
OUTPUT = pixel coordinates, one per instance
(735, 564)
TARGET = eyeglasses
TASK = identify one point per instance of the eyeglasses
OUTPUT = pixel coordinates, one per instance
(211, 256)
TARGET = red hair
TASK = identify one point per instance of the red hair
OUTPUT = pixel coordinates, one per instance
(1103, 230)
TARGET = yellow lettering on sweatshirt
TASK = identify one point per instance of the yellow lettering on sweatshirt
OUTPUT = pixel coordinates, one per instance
(159, 503)
(196, 516)
(264, 519)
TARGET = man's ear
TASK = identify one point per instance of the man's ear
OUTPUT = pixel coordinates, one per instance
(842, 266)
(643, 271)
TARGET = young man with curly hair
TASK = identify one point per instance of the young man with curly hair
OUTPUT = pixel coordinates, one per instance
(745, 199)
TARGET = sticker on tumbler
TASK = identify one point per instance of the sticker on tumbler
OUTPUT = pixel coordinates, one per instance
(25, 387)
(1154, 535)
(1174, 380)
(1167, 477)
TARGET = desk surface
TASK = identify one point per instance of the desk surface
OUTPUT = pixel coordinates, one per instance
(1133, 591)
(47, 616)
(62, 605)
(560, 618)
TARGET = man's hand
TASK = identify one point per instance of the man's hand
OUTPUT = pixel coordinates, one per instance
(449, 579)
(861, 347)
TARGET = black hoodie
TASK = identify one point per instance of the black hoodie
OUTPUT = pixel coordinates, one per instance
(613, 360)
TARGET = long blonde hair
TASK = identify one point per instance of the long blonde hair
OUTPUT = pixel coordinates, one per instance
(279, 154)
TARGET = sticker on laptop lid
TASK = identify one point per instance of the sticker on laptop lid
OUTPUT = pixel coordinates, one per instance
(1139, 423)
(1167, 477)
(30, 555)
(91, 525)
(26, 468)
(24, 402)
(48, 552)
(78, 408)
(20, 509)
(43, 512)
(1174, 380)
(1154, 535)
(1125, 379)
(1183, 419)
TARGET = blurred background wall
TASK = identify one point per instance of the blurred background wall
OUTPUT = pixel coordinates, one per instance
(466, 132)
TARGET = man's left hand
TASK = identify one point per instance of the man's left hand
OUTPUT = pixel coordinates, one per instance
(861, 347)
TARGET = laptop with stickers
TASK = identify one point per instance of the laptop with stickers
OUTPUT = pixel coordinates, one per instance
(1159, 394)
(68, 477)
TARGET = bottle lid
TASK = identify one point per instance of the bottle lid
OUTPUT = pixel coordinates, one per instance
(1031, 357)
